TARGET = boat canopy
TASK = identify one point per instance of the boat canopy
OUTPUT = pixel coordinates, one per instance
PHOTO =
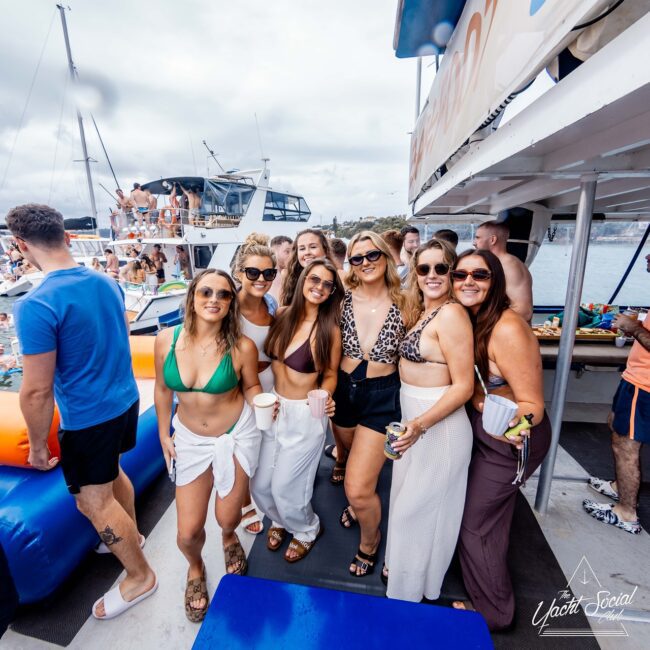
(423, 27)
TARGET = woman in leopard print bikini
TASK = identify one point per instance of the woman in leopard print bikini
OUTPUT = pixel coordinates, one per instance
(367, 393)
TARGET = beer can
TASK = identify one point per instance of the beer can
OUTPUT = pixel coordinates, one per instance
(393, 432)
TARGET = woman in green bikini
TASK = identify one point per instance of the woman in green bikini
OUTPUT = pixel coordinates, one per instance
(212, 369)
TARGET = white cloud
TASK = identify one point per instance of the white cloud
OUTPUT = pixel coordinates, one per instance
(334, 105)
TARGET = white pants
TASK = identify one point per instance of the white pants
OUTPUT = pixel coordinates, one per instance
(195, 453)
(284, 482)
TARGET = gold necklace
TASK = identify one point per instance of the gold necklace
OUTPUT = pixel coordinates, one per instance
(204, 349)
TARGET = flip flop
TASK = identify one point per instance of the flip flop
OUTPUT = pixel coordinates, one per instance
(246, 522)
(102, 549)
(114, 604)
(329, 451)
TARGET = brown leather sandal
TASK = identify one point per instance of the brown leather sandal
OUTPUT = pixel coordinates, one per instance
(338, 474)
(195, 590)
(234, 554)
(275, 538)
(302, 548)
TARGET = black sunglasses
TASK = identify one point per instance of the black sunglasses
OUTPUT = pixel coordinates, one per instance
(252, 273)
(424, 269)
(460, 275)
(328, 285)
(219, 294)
(371, 256)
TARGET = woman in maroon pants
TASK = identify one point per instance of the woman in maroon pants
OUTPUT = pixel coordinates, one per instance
(508, 358)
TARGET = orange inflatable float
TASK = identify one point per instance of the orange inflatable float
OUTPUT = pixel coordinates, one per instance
(142, 356)
(14, 443)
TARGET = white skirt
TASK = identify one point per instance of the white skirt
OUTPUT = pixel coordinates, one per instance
(427, 498)
(194, 453)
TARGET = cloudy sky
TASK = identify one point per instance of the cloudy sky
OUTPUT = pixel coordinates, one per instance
(333, 103)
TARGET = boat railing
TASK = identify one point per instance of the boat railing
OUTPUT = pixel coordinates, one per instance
(170, 222)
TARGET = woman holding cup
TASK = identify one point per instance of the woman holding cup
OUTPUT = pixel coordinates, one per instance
(367, 391)
(212, 369)
(430, 477)
(509, 363)
(305, 345)
(255, 271)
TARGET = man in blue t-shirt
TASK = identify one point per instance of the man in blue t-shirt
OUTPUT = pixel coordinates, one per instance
(74, 339)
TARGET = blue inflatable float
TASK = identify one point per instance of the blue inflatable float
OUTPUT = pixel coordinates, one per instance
(43, 534)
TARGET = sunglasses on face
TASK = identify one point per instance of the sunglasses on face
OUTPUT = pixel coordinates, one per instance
(219, 294)
(252, 273)
(425, 269)
(371, 256)
(459, 275)
(327, 285)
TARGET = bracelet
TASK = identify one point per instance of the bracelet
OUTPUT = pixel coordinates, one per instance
(420, 427)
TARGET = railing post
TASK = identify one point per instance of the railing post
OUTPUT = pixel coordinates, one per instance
(569, 323)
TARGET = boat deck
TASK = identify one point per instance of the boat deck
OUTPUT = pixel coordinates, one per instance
(545, 553)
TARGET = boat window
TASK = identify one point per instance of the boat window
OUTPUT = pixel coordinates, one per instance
(230, 199)
(202, 256)
(284, 207)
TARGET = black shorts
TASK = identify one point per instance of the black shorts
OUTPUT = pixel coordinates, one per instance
(91, 456)
(372, 403)
(631, 409)
(160, 274)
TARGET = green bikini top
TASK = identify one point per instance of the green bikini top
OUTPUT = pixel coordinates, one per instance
(223, 380)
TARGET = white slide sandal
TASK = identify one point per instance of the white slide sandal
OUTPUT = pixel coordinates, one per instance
(246, 522)
(102, 549)
(114, 604)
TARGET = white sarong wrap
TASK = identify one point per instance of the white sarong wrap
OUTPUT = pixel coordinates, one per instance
(194, 453)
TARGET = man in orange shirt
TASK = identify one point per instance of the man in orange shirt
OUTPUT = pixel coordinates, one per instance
(630, 425)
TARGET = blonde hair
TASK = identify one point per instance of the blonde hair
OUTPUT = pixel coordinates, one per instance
(256, 244)
(414, 296)
(391, 277)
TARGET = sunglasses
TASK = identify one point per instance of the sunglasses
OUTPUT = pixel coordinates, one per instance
(252, 273)
(424, 269)
(327, 285)
(477, 275)
(371, 256)
(219, 294)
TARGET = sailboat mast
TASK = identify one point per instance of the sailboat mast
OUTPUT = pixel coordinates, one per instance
(86, 159)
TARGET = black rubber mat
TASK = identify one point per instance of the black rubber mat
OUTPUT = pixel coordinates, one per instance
(590, 445)
(58, 618)
(535, 572)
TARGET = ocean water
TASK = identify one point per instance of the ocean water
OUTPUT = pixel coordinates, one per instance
(605, 266)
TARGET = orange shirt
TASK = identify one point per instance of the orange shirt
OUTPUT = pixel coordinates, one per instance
(637, 371)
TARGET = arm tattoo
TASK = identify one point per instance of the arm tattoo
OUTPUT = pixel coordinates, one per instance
(642, 335)
(109, 537)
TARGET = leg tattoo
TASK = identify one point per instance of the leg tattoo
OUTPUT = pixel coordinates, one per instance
(108, 536)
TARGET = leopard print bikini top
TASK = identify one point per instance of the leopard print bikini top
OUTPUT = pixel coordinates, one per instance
(409, 348)
(386, 346)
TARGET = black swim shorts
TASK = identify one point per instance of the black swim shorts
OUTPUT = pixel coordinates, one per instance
(91, 456)
(160, 274)
(372, 403)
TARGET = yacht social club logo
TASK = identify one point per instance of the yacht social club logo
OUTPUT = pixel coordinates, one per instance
(604, 607)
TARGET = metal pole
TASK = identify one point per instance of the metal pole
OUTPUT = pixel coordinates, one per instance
(418, 87)
(86, 159)
(569, 324)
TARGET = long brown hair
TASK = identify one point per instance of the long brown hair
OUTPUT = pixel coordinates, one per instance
(327, 321)
(490, 310)
(293, 265)
(391, 277)
(230, 332)
(414, 296)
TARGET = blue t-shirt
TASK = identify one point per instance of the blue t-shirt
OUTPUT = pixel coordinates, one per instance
(80, 314)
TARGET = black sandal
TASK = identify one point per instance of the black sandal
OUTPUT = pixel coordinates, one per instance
(338, 474)
(347, 519)
(365, 562)
(329, 451)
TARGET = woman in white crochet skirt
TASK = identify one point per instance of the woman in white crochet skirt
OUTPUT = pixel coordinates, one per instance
(429, 480)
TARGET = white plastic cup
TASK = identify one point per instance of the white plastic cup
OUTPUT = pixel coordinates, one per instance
(497, 413)
(317, 400)
(619, 341)
(263, 405)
